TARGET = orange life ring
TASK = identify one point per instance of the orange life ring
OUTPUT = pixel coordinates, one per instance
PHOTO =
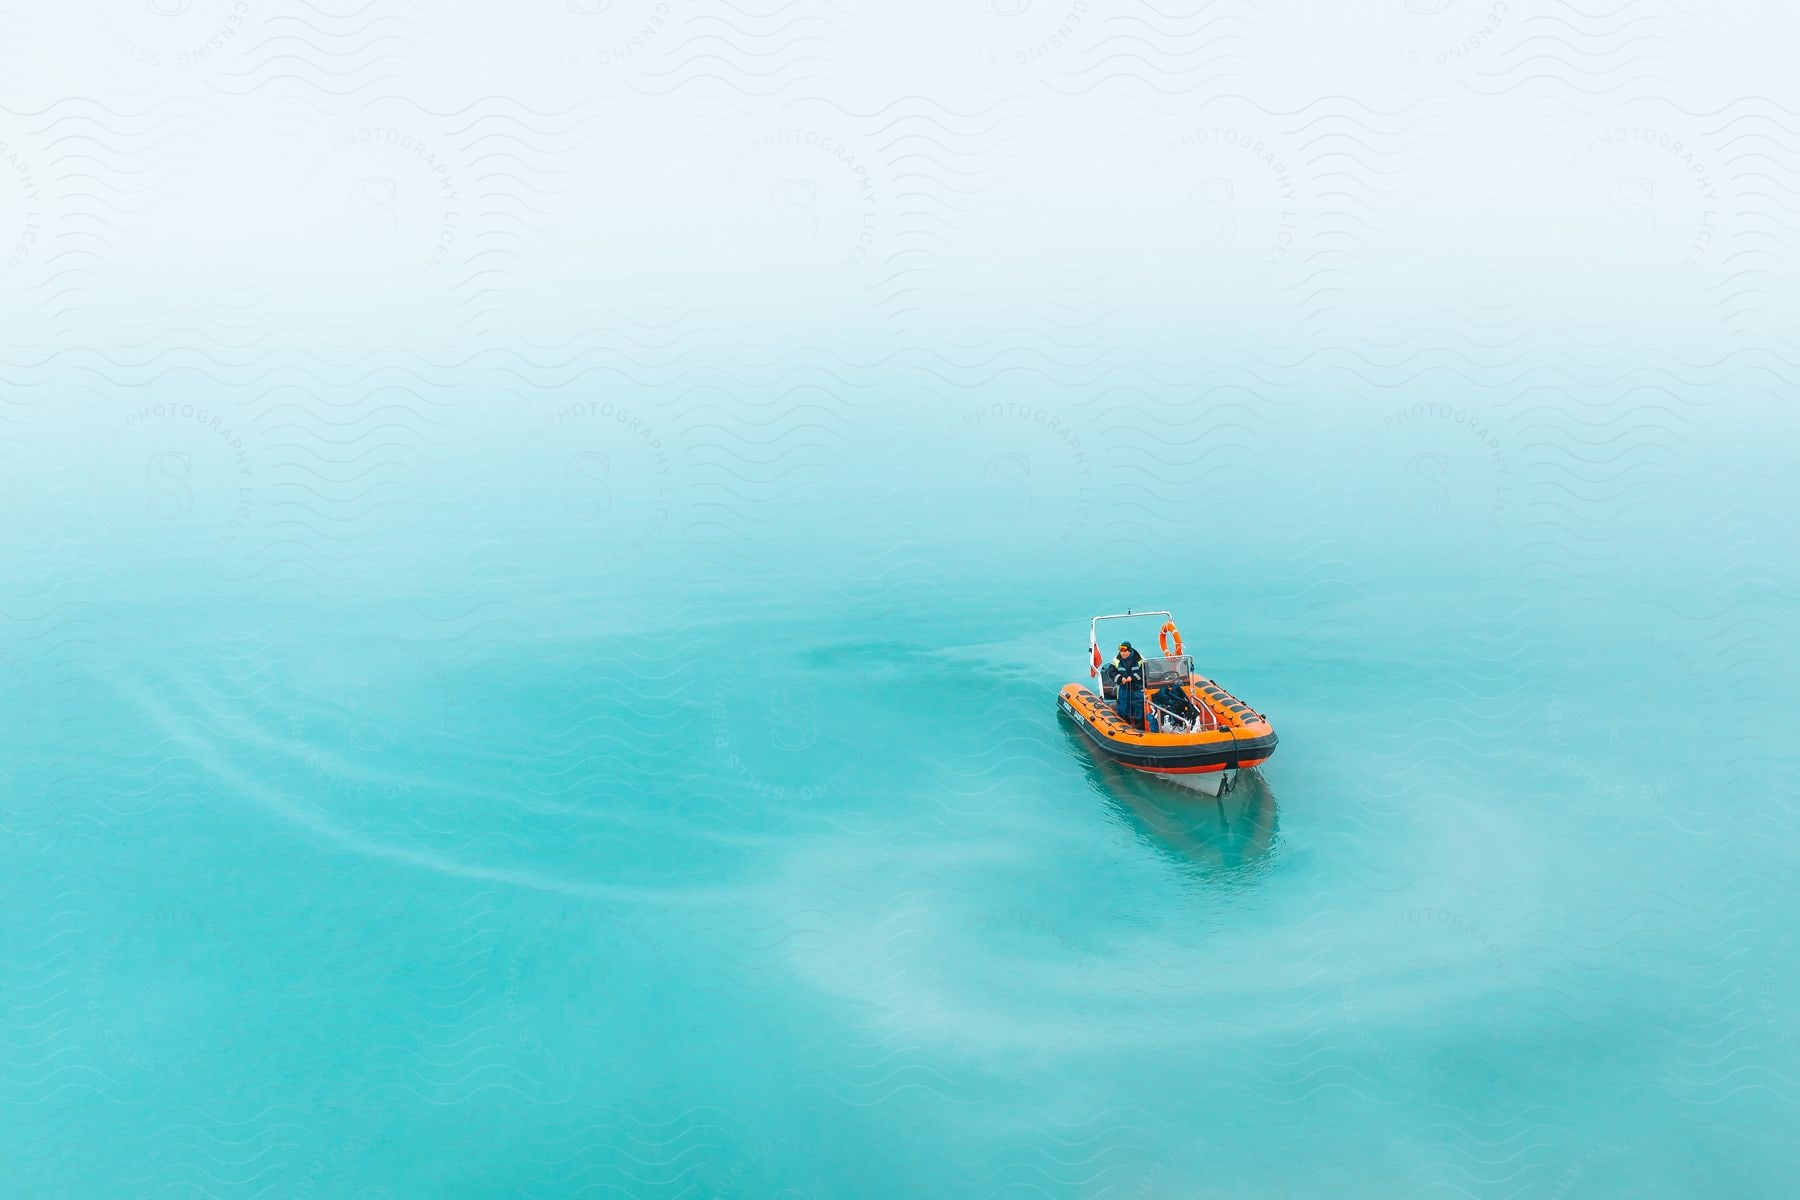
(1162, 639)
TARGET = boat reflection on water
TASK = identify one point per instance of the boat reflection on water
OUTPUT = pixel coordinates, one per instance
(1222, 836)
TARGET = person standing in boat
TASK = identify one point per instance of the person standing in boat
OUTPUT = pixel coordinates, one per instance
(1129, 679)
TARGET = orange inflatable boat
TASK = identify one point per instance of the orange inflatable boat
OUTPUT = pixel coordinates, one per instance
(1178, 725)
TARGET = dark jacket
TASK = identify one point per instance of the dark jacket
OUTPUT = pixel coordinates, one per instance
(1130, 668)
(1174, 699)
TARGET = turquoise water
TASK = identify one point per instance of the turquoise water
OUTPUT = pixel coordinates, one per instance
(430, 798)
(539, 542)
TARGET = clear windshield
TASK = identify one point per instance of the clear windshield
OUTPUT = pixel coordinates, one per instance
(1174, 669)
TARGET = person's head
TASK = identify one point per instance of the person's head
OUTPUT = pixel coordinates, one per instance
(1125, 649)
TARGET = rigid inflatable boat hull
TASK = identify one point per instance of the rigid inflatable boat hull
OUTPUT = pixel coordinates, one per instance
(1206, 761)
(1207, 783)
